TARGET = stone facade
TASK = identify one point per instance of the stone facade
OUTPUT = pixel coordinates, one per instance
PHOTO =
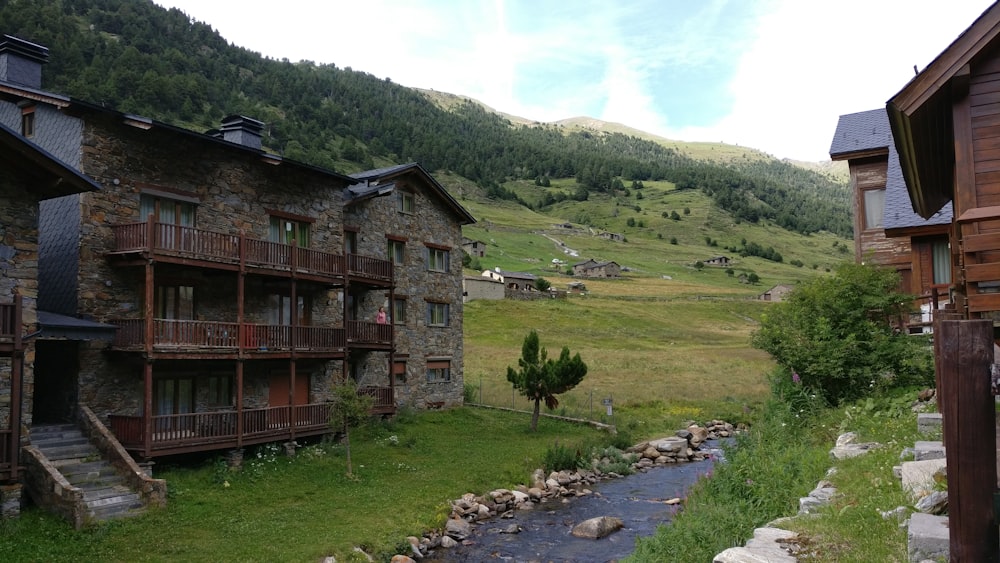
(431, 226)
(232, 190)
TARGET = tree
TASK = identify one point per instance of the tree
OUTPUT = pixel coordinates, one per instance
(348, 409)
(542, 284)
(753, 278)
(540, 378)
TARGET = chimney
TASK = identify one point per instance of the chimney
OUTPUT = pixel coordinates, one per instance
(21, 62)
(243, 130)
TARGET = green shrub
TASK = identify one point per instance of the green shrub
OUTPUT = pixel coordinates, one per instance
(836, 334)
(470, 393)
(562, 458)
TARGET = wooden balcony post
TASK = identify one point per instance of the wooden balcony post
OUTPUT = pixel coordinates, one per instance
(964, 351)
(16, 373)
(291, 398)
(239, 402)
(147, 409)
(150, 233)
(147, 312)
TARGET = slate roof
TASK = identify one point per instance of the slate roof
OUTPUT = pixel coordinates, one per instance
(373, 180)
(58, 326)
(53, 178)
(868, 131)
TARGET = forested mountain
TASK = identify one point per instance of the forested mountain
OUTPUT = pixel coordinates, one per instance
(140, 58)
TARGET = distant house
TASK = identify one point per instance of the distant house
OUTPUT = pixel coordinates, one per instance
(576, 287)
(616, 237)
(594, 269)
(475, 248)
(516, 281)
(480, 287)
(717, 261)
(777, 293)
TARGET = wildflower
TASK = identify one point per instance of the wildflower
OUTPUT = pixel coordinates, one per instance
(796, 378)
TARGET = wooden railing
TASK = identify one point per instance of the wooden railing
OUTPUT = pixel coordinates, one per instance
(363, 332)
(217, 335)
(383, 400)
(219, 426)
(8, 320)
(192, 242)
(369, 268)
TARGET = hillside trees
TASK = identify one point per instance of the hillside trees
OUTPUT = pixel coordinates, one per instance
(541, 378)
(835, 334)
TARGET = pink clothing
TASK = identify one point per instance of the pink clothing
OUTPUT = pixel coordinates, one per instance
(380, 318)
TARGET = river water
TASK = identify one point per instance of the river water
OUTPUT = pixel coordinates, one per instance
(638, 500)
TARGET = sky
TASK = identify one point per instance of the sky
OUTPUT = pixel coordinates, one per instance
(773, 75)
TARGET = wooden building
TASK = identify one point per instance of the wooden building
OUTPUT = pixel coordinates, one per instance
(946, 127)
(886, 229)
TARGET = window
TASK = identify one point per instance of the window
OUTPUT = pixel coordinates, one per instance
(405, 202)
(166, 211)
(941, 258)
(279, 310)
(173, 395)
(350, 241)
(399, 310)
(437, 259)
(28, 121)
(219, 391)
(438, 371)
(399, 372)
(395, 251)
(289, 231)
(874, 202)
(174, 302)
(437, 314)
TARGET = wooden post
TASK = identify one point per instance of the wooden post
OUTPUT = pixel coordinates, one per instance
(964, 354)
(16, 374)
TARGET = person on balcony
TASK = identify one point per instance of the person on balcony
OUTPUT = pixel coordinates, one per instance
(380, 317)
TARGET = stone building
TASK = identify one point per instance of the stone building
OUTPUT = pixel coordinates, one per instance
(27, 175)
(240, 287)
(593, 269)
(403, 212)
(474, 248)
(479, 287)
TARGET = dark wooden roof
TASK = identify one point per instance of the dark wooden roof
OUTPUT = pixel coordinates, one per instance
(921, 117)
(48, 175)
(371, 179)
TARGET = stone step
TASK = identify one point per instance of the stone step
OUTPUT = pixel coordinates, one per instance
(61, 440)
(79, 451)
(95, 480)
(108, 495)
(123, 508)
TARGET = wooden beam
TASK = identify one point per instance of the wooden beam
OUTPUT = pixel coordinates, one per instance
(964, 352)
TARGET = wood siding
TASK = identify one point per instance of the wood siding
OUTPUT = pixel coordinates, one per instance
(871, 245)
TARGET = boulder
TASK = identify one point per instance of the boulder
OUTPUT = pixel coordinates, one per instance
(447, 542)
(698, 435)
(458, 529)
(597, 528)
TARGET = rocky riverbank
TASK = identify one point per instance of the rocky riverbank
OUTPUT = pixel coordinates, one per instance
(471, 510)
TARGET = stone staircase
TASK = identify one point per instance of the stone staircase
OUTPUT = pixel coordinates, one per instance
(105, 494)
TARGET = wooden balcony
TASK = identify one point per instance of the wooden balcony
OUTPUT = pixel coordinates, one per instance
(199, 247)
(383, 401)
(204, 431)
(202, 337)
(362, 334)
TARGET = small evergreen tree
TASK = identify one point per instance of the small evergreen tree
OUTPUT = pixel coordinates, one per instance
(540, 378)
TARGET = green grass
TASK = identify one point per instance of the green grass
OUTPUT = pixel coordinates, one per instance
(305, 508)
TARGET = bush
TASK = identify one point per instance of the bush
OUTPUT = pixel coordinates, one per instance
(470, 393)
(560, 457)
(836, 334)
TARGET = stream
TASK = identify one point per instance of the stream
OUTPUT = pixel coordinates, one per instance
(637, 499)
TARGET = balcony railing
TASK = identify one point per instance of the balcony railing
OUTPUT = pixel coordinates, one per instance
(5, 451)
(368, 333)
(383, 401)
(218, 429)
(194, 243)
(225, 336)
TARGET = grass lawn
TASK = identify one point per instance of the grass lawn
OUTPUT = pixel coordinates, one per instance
(306, 508)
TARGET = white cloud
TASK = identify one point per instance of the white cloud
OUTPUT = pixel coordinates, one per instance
(812, 62)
